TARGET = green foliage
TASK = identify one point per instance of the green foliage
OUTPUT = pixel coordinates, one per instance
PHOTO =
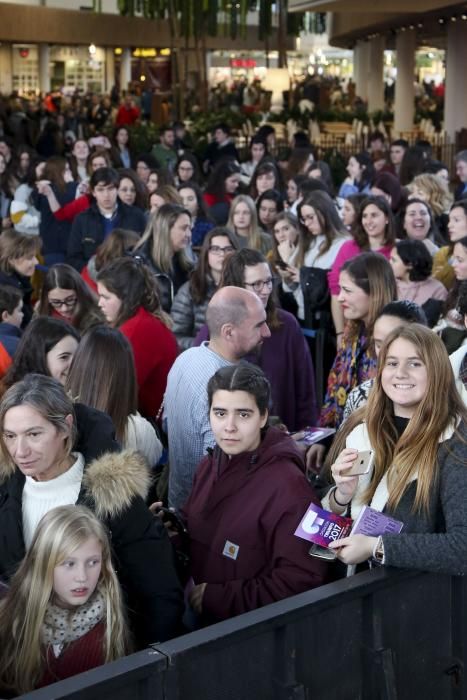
(337, 164)
(204, 122)
(200, 17)
(330, 115)
(302, 118)
(142, 136)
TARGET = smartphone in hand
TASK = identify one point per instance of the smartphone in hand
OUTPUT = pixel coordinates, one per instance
(362, 464)
(170, 516)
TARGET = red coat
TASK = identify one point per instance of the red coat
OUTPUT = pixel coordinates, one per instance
(126, 116)
(88, 279)
(253, 501)
(81, 655)
(211, 199)
(73, 208)
(155, 350)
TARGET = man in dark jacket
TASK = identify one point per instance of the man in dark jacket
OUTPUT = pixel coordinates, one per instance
(220, 147)
(107, 212)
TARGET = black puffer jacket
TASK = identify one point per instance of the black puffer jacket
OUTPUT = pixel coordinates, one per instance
(188, 316)
(168, 284)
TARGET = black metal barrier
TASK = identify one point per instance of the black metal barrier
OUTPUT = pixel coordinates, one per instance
(382, 634)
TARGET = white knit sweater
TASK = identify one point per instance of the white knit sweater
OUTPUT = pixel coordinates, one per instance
(41, 496)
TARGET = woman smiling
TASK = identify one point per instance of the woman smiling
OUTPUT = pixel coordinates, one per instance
(374, 231)
(418, 436)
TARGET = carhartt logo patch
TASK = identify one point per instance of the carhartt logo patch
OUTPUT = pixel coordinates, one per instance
(231, 550)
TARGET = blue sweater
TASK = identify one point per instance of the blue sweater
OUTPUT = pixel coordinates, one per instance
(9, 337)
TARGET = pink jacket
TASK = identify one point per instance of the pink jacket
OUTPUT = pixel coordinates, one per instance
(420, 292)
(349, 250)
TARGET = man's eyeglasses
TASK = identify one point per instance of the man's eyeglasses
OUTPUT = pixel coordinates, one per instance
(69, 302)
(259, 285)
(218, 250)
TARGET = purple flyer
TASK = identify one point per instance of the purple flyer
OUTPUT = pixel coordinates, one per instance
(373, 523)
(322, 527)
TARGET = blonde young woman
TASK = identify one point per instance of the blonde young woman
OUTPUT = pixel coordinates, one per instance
(418, 436)
(166, 249)
(243, 221)
(435, 191)
(64, 612)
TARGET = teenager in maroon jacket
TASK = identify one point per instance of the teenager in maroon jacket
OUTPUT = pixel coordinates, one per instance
(248, 498)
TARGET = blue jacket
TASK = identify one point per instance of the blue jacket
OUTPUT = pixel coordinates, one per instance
(89, 231)
(54, 234)
(9, 337)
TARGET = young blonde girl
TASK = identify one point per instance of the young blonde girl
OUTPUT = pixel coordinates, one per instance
(435, 191)
(63, 613)
(243, 221)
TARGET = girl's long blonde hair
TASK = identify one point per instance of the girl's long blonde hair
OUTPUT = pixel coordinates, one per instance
(254, 234)
(157, 234)
(415, 453)
(436, 190)
(60, 532)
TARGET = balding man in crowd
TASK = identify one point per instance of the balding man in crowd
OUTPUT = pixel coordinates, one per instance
(237, 325)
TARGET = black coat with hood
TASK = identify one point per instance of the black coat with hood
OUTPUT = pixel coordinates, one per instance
(115, 486)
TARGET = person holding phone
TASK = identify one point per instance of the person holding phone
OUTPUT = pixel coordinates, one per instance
(418, 476)
(285, 233)
(321, 236)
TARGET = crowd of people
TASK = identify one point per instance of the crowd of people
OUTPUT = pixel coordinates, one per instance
(170, 327)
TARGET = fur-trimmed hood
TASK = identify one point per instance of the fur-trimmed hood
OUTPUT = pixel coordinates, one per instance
(110, 482)
(114, 480)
